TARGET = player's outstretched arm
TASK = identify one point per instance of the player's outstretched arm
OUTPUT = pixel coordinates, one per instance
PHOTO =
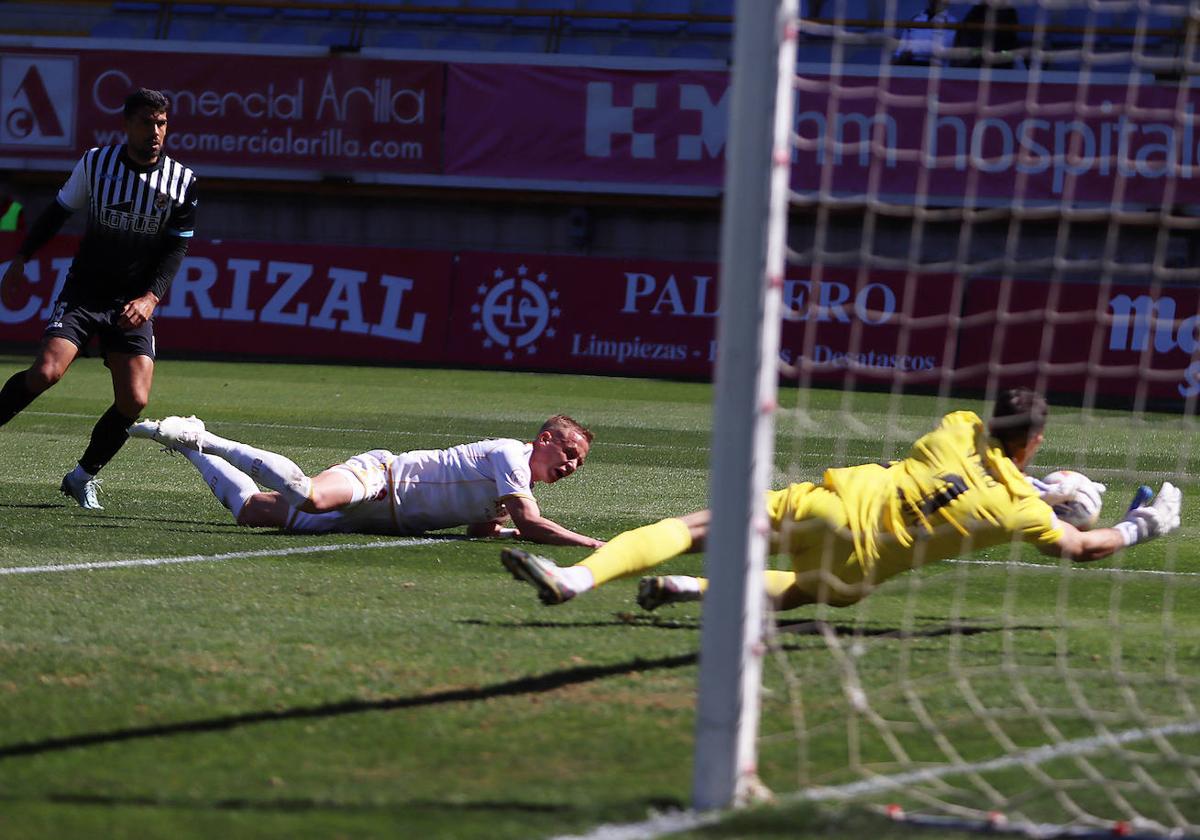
(1139, 525)
(537, 528)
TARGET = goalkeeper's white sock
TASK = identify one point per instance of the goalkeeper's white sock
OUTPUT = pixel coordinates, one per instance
(577, 578)
(269, 469)
(232, 487)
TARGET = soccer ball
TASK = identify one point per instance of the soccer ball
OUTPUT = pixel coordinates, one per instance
(1075, 498)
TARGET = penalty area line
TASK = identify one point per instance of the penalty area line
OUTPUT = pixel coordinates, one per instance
(216, 558)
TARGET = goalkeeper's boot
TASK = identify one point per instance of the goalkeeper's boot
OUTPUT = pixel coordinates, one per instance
(654, 592)
(172, 432)
(541, 572)
(83, 490)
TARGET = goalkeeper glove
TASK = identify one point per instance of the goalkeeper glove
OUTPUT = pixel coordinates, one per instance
(1153, 520)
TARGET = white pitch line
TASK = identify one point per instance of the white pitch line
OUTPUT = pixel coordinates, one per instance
(1037, 755)
(214, 558)
(1078, 569)
(661, 825)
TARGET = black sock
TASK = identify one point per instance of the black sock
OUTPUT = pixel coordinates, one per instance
(14, 396)
(108, 435)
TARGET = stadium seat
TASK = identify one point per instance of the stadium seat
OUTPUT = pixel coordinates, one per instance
(718, 29)
(427, 18)
(661, 7)
(634, 47)
(569, 45)
(520, 44)
(487, 21)
(199, 9)
(336, 37)
(220, 30)
(117, 28)
(395, 40)
(252, 12)
(541, 21)
(306, 14)
(458, 41)
(135, 6)
(692, 49)
(603, 24)
(285, 35)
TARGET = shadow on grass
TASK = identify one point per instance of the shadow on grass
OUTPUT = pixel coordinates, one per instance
(295, 805)
(512, 688)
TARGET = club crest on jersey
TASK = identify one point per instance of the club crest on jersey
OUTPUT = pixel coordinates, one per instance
(121, 217)
(161, 201)
(514, 312)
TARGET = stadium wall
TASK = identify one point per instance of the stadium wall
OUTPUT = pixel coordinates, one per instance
(651, 318)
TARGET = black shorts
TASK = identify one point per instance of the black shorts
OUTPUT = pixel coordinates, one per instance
(79, 322)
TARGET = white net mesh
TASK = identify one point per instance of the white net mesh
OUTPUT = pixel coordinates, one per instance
(983, 198)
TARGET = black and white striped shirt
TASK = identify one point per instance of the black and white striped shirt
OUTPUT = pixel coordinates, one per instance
(133, 213)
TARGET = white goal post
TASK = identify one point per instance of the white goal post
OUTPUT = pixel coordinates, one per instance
(753, 256)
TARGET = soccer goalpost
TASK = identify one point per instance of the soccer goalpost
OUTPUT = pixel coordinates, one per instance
(1008, 194)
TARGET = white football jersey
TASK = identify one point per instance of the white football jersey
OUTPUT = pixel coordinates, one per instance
(441, 488)
(427, 489)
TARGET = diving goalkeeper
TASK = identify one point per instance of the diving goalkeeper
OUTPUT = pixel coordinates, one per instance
(961, 488)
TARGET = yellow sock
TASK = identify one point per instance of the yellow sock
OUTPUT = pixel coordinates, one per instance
(637, 550)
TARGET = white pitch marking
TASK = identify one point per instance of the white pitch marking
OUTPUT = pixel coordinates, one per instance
(1096, 570)
(661, 825)
(213, 558)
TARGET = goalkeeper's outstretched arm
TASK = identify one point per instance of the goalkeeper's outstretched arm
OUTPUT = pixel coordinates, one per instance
(1139, 525)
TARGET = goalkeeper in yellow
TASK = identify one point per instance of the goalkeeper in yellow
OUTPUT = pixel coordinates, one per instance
(960, 488)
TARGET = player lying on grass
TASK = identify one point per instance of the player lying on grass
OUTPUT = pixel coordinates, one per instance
(479, 485)
(961, 488)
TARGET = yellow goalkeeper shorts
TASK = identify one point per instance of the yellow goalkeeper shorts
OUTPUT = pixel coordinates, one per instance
(813, 528)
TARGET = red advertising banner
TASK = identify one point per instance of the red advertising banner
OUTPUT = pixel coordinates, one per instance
(1123, 340)
(300, 301)
(323, 114)
(648, 317)
(651, 318)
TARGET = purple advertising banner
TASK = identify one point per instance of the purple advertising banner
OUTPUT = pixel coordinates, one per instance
(586, 124)
(946, 137)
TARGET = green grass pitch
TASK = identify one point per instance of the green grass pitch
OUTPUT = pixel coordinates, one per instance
(378, 689)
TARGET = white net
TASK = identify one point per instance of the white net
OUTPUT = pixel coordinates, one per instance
(985, 197)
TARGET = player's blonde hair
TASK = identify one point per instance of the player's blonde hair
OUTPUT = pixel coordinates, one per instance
(561, 423)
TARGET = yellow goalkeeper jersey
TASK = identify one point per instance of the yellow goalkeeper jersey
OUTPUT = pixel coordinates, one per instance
(955, 492)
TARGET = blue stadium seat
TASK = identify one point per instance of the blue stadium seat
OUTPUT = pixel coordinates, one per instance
(220, 30)
(458, 41)
(570, 45)
(252, 12)
(603, 24)
(396, 40)
(118, 28)
(661, 7)
(306, 14)
(135, 6)
(427, 18)
(336, 37)
(717, 29)
(487, 20)
(520, 44)
(634, 47)
(541, 21)
(692, 49)
(285, 35)
(200, 9)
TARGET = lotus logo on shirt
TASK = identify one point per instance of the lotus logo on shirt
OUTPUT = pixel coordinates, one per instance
(121, 217)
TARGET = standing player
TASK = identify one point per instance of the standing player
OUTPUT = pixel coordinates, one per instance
(960, 489)
(478, 485)
(141, 209)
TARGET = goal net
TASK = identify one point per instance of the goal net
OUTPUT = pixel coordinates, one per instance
(981, 197)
